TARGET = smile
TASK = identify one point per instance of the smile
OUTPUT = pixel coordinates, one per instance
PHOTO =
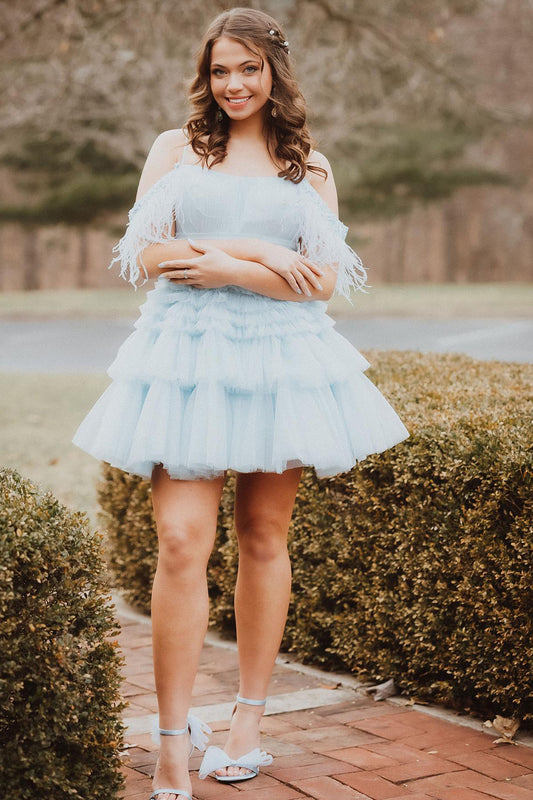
(238, 101)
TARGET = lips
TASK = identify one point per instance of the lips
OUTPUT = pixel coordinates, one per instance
(237, 101)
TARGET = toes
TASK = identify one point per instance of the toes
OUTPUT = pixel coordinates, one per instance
(222, 772)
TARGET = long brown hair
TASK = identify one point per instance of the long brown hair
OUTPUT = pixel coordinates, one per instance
(287, 135)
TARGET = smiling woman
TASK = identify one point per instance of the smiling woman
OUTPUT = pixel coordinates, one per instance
(233, 364)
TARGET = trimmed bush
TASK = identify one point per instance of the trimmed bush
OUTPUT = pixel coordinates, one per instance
(416, 564)
(60, 709)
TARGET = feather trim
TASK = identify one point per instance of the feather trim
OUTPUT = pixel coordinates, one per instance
(150, 221)
(321, 239)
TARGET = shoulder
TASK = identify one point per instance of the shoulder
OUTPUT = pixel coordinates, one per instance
(165, 151)
(325, 186)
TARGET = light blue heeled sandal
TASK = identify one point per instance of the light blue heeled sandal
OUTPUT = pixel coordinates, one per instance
(199, 735)
(216, 758)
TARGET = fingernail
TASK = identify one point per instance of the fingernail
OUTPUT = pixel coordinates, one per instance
(308, 292)
(319, 286)
(320, 272)
(162, 264)
(191, 241)
(298, 290)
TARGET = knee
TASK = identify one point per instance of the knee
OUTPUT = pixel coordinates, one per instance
(262, 538)
(181, 546)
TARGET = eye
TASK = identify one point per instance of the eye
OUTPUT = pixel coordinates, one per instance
(254, 69)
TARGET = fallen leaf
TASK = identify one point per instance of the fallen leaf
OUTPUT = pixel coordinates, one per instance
(505, 726)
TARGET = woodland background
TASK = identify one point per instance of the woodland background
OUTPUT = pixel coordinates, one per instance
(423, 107)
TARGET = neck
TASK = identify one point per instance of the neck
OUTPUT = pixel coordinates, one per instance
(249, 129)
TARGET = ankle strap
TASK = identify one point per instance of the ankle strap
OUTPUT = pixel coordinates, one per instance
(167, 732)
(250, 702)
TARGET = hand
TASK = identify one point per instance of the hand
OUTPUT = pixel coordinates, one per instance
(293, 266)
(211, 270)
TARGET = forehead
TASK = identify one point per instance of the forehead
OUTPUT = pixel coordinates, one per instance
(230, 52)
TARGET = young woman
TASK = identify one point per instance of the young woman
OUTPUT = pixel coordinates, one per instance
(234, 364)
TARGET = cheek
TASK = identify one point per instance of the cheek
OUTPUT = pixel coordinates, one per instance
(262, 85)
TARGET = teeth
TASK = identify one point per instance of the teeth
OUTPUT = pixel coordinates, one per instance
(238, 101)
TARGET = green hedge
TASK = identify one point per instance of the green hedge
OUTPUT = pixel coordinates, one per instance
(415, 565)
(60, 708)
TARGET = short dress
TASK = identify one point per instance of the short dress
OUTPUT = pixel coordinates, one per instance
(226, 378)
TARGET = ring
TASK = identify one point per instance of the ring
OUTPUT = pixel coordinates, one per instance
(185, 274)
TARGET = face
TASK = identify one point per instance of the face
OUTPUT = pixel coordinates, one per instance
(236, 73)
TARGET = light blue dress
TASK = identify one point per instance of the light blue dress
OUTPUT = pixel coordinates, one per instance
(216, 379)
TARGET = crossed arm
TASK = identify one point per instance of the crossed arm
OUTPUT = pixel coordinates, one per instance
(260, 266)
(254, 264)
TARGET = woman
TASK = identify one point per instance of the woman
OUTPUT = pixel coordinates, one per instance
(234, 364)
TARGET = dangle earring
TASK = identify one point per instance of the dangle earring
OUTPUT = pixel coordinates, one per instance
(219, 114)
(273, 109)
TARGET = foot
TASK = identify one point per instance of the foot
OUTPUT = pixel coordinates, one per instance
(172, 768)
(243, 736)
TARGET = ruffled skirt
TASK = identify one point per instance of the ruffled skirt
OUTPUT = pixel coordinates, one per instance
(220, 379)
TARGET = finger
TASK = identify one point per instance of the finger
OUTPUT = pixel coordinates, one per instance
(313, 280)
(178, 274)
(180, 262)
(316, 269)
(195, 246)
(302, 283)
(292, 283)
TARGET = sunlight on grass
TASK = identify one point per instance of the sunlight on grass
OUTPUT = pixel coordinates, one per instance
(437, 301)
(40, 414)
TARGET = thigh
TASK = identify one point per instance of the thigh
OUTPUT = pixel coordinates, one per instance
(186, 506)
(265, 497)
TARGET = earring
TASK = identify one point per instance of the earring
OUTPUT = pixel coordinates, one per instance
(219, 115)
(274, 112)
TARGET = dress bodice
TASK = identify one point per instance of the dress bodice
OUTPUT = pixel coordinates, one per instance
(226, 206)
(198, 202)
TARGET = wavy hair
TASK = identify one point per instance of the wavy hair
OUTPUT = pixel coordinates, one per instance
(287, 136)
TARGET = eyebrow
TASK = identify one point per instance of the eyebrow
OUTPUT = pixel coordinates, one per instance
(240, 65)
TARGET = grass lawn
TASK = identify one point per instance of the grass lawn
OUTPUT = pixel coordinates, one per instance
(40, 414)
(437, 301)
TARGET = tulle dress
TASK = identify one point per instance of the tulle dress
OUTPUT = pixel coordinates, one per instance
(216, 379)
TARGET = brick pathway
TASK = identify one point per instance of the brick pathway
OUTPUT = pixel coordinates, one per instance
(351, 748)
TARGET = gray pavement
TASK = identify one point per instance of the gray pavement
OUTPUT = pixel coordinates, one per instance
(90, 345)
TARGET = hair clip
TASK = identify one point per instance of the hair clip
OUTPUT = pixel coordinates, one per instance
(272, 32)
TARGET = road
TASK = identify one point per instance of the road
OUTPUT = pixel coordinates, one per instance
(90, 345)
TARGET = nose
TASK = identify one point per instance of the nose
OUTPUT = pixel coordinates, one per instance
(234, 82)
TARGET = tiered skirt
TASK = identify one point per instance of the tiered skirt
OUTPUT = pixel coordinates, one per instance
(220, 379)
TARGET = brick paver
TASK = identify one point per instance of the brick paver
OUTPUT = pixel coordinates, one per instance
(347, 750)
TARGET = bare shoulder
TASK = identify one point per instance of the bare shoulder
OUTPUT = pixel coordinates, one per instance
(164, 153)
(325, 186)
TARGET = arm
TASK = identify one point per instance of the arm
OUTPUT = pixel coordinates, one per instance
(262, 279)
(164, 153)
(155, 254)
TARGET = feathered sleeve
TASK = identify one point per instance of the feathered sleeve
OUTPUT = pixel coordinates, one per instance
(149, 222)
(321, 239)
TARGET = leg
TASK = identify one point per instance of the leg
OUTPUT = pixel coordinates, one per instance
(263, 509)
(186, 517)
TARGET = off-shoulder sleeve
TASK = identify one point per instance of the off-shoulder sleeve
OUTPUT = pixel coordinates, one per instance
(150, 221)
(322, 240)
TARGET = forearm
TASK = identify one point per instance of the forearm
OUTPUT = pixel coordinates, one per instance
(243, 249)
(262, 280)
